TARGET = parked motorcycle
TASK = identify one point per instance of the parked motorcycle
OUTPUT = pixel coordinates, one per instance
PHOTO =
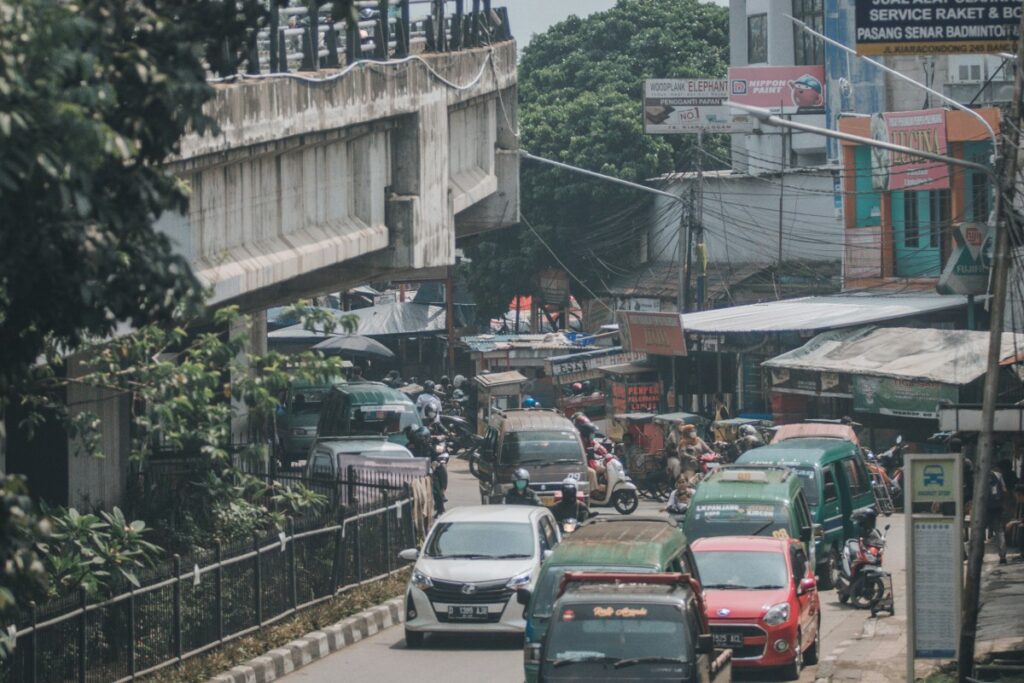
(862, 582)
(620, 491)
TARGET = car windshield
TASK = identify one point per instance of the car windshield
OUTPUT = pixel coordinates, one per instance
(615, 633)
(384, 419)
(737, 519)
(308, 401)
(809, 484)
(547, 586)
(541, 447)
(480, 540)
(741, 569)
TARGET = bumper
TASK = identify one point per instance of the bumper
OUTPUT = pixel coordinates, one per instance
(761, 644)
(296, 447)
(432, 616)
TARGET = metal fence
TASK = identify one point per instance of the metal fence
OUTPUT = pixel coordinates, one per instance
(290, 39)
(192, 605)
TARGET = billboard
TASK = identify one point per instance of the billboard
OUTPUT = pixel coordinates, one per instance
(780, 89)
(923, 130)
(659, 334)
(921, 27)
(901, 397)
(691, 105)
(968, 267)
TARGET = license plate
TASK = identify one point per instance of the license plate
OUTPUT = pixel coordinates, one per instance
(727, 639)
(467, 612)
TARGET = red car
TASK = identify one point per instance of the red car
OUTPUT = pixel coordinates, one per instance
(761, 600)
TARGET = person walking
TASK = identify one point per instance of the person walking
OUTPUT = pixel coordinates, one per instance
(994, 524)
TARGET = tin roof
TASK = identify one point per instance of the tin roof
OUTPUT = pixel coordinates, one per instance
(634, 542)
(627, 369)
(817, 313)
(493, 379)
(948, 356)
(555, 341)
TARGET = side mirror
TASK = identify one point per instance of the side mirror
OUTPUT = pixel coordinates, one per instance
(807, 534)
(523, 596)
(807, 584)
(705, 644)
(887, 527)
(409, 555)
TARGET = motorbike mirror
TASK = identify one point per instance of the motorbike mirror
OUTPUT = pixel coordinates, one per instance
(899, 439)
(887, 526)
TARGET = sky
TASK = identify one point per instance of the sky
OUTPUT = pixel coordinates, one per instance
(535, 16)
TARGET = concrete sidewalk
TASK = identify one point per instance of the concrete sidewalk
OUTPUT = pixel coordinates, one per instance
(1000, 641)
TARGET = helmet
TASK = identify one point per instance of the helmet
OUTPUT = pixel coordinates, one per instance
(569, 489)
(421, 434)
(577, 388)
(864, 518)
(580, 419)
(587, 429)
(521, 479)
(458, 381)
(529, 402)
(428, 386)
(458, 394)
(748, 430)
(588, 387)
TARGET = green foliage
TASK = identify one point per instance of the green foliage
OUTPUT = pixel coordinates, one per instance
(94, 96)
(580, 87)
(319, 319)
(22, 574)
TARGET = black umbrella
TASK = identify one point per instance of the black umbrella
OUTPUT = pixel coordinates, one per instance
(355, 345)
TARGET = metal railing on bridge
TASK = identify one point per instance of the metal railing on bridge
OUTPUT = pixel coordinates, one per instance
(315, 36)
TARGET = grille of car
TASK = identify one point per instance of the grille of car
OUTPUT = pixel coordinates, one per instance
(451, 592)
(746, 631)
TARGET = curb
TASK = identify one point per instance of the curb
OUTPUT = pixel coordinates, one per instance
(316, 645)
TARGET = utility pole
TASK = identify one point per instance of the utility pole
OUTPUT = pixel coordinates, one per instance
(690, 214)
(449, 316)
(782, 187)
(990, 393)
(682, 254)
(698, 224)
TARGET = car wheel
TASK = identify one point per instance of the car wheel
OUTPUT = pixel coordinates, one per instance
(626, 502)
(830, 576)
(792, 672)
(811, 656)
(413, 639)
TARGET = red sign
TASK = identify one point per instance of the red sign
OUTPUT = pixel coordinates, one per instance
(780, 89)
(923, 130)
(643, 397)
(660, 334)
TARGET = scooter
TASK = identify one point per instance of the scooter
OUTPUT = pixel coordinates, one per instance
(620, 492)
(862, 582)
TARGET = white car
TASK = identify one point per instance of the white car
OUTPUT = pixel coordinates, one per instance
(474, 560)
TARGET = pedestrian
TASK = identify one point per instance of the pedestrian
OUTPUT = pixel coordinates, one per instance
(1015, 527)
(994, 511)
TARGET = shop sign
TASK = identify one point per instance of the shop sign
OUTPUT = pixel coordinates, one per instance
(691, 105)
(901, 398)
(641, 397)
(923, 130)
(968, 267)
(575, 369)
(780, 89)
(554, 286)
(829, 381)
(923, 27)
(659, 334)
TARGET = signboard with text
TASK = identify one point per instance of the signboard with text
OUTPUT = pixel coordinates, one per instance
(923, 27)
(780, 89)
(923, 130)
(660, 334)
(691, 105)
(899, 397)
(579, 367)
(639, 397)
(966, 272)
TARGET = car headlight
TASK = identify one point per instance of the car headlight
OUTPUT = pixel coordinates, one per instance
(421, 580)
(777, 614)
(521, 581)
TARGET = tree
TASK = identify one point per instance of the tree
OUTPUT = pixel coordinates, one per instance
(94, 96)
(580, 87)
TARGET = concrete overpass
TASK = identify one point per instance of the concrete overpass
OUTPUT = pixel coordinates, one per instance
(319, 181)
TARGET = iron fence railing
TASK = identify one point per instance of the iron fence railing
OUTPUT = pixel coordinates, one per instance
(190, 606)
(313, 36)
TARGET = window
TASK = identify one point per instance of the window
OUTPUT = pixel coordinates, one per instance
(979, 197)
(799, 560)
(757, 38)
(321, 466)
(856, 479)
(939, 215)
(831, 492)
(806, 48)
(963, 72)
(549, 537)
(975, 72)
(911, 226)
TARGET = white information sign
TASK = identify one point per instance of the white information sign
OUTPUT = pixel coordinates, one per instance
(936, 613)
(691, 105)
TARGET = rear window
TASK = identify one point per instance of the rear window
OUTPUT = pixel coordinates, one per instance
(737, 519)
(386, 419)
(547, 587)
(523, 448)
(618, 630)
(307, 401)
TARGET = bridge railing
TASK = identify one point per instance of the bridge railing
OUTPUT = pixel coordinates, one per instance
(316, 36)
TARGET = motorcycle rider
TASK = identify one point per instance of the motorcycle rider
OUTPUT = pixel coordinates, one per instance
(418, 441)
(749, 438)
(428, 398)
(595, 458)
(679, 499)
(520, 493)
(569, 507)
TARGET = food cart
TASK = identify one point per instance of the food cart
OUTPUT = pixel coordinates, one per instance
(497, 390)
(639, 436)
(566, 370)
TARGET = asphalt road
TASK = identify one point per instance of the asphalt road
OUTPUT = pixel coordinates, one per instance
(457, 658)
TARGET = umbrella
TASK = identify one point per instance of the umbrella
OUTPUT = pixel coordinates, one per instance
(355, 345)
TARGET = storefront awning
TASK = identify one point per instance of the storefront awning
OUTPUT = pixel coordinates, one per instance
(954, 357)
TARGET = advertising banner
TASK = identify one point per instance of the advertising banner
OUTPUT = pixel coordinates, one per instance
(780, 89)
(641, 397)
(691, 105)
(660, 334)
(968, 267)
(582, 366)
(899, 397)
(923, 130)
(922, 27)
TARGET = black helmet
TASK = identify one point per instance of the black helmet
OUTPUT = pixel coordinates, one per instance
(864, 517)
(428, 386)
(569, 489)
(421, 433)
(588, 387)
(445, 381)
(521, 479)
(587, 429)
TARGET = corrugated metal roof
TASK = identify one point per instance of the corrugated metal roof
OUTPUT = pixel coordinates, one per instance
(507, 342)
(814, 313)
(948, 356)
(493, 379)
